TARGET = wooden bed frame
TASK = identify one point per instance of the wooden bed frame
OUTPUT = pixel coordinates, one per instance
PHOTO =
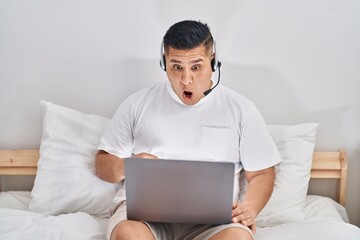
(325, 165)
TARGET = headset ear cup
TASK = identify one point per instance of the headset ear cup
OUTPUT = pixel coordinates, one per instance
(162, 56)
(164, 63)
(213, 64)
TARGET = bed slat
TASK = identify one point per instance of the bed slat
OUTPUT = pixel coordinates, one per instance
(325, 165)
(19, 162)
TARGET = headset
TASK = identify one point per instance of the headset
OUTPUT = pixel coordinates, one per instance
(215, 63)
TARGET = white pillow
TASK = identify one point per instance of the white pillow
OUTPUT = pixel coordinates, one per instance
(66, 181)
(296, 146)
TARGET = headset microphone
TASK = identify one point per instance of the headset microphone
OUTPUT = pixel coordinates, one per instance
(209, 90)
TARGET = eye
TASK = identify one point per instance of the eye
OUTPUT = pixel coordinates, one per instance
(177, 67)
(196, 67)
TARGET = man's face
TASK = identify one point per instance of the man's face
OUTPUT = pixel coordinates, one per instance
(189, 72)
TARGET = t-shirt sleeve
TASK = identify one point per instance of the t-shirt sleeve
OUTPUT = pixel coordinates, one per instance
(257, 148)
(118, 138)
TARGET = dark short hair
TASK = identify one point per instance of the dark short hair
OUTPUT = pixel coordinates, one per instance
(187, 35)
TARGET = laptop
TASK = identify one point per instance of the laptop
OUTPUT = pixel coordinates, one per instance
(179, 191)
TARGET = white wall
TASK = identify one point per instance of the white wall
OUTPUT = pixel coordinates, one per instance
(297, 60)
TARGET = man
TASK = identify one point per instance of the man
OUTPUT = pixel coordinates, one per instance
(180, 119)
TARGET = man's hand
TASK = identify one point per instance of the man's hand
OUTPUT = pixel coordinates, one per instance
(241, 213)
(110, 168)
(145, 155)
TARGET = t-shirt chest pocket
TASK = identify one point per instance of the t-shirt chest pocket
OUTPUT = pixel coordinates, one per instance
(214, 142)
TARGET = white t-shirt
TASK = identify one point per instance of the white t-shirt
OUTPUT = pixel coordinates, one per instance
(223, 126)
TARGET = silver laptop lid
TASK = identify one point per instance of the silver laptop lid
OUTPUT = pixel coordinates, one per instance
(179, 191)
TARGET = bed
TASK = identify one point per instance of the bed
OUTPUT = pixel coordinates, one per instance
(68, 201)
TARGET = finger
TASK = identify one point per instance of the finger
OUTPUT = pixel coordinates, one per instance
(243, 217)
(253, 228)
(248, 222)
(152, 156)
(235, 220)
(145, 155)
(242, 207)
(239, 210)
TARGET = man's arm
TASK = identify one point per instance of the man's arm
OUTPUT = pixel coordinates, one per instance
(260, 187)
(110, 168)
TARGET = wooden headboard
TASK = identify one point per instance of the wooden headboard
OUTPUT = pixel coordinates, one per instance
(326, 165)
(331, 165)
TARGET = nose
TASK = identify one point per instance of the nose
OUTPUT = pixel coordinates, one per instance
(186, 78)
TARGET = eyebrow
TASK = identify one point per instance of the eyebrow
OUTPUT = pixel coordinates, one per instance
(197, 60)
(193, 61)
(175, 61)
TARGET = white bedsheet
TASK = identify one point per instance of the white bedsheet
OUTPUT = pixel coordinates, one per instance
(16, 222)
(325, 220)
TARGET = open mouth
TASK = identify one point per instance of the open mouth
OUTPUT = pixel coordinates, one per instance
(188, 94)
